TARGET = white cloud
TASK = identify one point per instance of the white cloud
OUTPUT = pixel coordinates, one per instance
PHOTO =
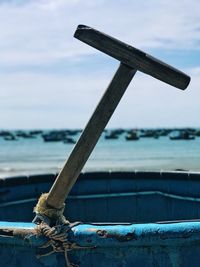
(151, 103)
(39, 32)
(47, 101)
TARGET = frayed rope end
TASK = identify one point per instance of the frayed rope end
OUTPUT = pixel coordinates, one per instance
(48, 214)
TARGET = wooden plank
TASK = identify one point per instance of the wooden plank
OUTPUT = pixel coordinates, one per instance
(87, 141)
(132, 57)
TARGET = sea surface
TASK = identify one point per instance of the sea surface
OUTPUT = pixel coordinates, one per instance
(34, 156)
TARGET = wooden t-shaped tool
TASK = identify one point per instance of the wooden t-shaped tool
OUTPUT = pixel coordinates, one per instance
(131, 60)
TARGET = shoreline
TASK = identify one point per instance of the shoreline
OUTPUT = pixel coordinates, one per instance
(54, 171)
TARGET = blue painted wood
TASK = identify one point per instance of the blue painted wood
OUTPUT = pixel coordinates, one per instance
(171, 244)
(109, 197)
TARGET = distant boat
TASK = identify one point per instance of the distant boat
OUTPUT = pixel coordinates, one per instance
(51, 138)
(112, 135)
(149, 134)
(69, 140)
(25, 135)
(132, 136)
(181, 135)
(10, 137)
(4, 133)
(36, 132)
(54, 136)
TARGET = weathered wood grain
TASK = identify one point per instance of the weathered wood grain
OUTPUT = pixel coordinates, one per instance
(132, 57)
(90, 136)
(131, 60)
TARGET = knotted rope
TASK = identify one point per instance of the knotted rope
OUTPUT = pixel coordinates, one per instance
(58, 240)
(53, 225)
(52, 216)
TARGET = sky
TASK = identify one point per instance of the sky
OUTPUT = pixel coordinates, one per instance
(49, 79)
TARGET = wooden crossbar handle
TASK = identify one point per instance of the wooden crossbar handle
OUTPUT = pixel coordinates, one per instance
(132, 56)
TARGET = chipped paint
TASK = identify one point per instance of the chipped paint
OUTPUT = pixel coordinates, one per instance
(149, 245)
(121, 238)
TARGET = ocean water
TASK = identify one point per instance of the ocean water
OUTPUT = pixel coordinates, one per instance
(34, 156)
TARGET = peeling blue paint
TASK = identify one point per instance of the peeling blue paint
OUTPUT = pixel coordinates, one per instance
(108, 197)
(108, 245)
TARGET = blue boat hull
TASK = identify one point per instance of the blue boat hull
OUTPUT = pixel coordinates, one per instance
(172, 244)
(123, 208)
(109, 197)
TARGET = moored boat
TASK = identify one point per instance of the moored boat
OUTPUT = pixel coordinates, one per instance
(132, 136)
(138, 218)
(181, 135)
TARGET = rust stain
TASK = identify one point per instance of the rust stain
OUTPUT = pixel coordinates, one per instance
(23, 233)
(120, 238)
(102, 233)
(13, 232)
(6, 232)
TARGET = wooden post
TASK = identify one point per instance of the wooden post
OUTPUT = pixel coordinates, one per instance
(89, 137)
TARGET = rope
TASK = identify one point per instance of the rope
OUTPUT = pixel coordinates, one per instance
(58, 240)
(49, 214)
(53, 225)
